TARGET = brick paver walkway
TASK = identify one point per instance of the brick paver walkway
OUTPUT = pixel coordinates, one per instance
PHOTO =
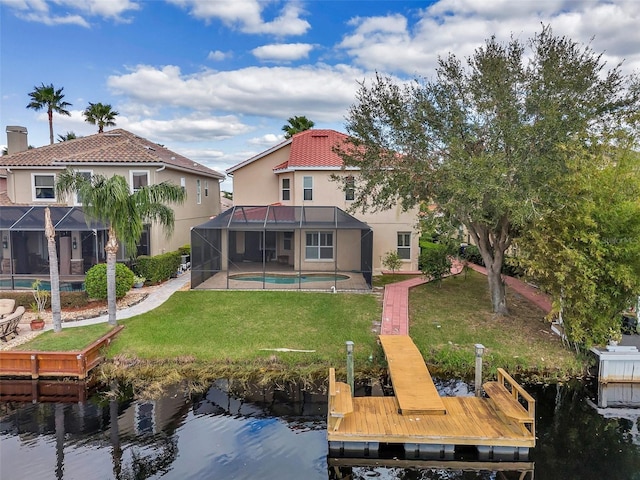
(395, 304)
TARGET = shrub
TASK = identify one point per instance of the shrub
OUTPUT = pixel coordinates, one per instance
(434, 260)
(392, 261)
(159, 267)
(96, 281)
(185, 250)
(472, 254)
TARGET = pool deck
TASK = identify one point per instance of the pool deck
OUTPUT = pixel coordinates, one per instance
(354, 282)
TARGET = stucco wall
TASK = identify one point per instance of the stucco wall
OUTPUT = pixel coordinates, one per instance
(187, 215)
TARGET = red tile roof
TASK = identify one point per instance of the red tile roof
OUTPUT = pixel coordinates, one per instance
(314, 149)
(114, 146)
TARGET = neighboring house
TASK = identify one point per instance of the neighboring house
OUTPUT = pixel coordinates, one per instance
(297, 172)
(290, 214)
(30, 178)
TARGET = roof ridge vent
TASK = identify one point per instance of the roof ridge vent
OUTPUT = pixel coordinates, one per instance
(112, 134)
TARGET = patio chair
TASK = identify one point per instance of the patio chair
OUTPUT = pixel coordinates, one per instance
(7, 305)
(9, 325)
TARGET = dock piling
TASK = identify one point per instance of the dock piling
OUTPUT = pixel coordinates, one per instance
(350, 365)
(478, 383)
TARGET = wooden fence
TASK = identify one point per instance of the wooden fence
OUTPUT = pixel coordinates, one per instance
(36, 364)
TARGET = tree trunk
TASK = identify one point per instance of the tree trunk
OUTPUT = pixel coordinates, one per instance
(111, 249)
(492, 248)
(498, 294)
(54, 274)
(50, 112)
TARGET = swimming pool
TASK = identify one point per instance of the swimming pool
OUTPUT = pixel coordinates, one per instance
(288, 279)
(26, 284)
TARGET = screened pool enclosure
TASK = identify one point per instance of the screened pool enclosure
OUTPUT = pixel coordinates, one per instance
(276, 246)
(24, 254)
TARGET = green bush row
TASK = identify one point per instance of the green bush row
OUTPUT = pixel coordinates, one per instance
(510, 265)
(159, 267)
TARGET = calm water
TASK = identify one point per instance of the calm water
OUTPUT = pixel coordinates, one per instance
(280, 434)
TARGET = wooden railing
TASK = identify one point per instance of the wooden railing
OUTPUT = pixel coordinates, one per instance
(509, 396)
(340, 401)
(36, 364)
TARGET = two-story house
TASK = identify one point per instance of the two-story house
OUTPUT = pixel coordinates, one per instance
(29, 186)
(293, 180)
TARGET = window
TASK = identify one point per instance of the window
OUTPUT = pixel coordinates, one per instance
(183, 183)
(206, 188)
(286, 189)
(44, 186)
(319, 246)
(404, 245)
(139, 179)
(307, 185)
(198, 192)
(87, 176)
(350, 189)
(286, 243)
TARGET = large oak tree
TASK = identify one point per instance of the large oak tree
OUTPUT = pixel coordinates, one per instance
(483, 139)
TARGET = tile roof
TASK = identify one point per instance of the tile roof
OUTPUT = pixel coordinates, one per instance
(114, 146)
(309, 149)
(314, 148)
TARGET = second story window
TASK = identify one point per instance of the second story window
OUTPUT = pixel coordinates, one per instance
(183, 183)
(307, 185)
(286, 189)
(198, 192)
(139, 179)
(350, 189)
(206, 188)
(44, 186)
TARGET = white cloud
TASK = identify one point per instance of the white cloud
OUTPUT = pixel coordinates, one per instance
(70, 12)
(267, 140)
(188, 129)
(218, 55)
(246, 15)
(282, 52)
(460, 26)
(322, 92)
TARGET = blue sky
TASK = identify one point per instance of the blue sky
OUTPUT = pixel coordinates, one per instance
(216, 80)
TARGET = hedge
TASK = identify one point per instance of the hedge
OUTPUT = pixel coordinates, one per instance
(159, 267)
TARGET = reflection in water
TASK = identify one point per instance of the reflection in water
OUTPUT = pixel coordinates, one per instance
(257, 432)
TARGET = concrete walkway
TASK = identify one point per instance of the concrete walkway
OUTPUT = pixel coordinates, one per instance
(153, 300)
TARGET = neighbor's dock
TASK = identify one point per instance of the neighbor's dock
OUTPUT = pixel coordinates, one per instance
(425, 424)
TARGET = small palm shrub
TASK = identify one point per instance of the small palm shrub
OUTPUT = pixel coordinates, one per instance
(96, 281)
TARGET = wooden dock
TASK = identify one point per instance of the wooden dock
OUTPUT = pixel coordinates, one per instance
(501, 426)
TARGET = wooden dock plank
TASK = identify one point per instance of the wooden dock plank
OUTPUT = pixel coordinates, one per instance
(413, 387)
(469, 421)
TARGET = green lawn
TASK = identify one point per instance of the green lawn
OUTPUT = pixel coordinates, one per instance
(448, 320)
(237, 326)
(242, 329)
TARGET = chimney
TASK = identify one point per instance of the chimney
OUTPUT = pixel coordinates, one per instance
(16, 139)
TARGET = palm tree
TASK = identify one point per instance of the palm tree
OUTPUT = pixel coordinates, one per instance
(54, 273)
(101, 115)
(110, 201)
(296, 125)
(67, 136)
(46, 96)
